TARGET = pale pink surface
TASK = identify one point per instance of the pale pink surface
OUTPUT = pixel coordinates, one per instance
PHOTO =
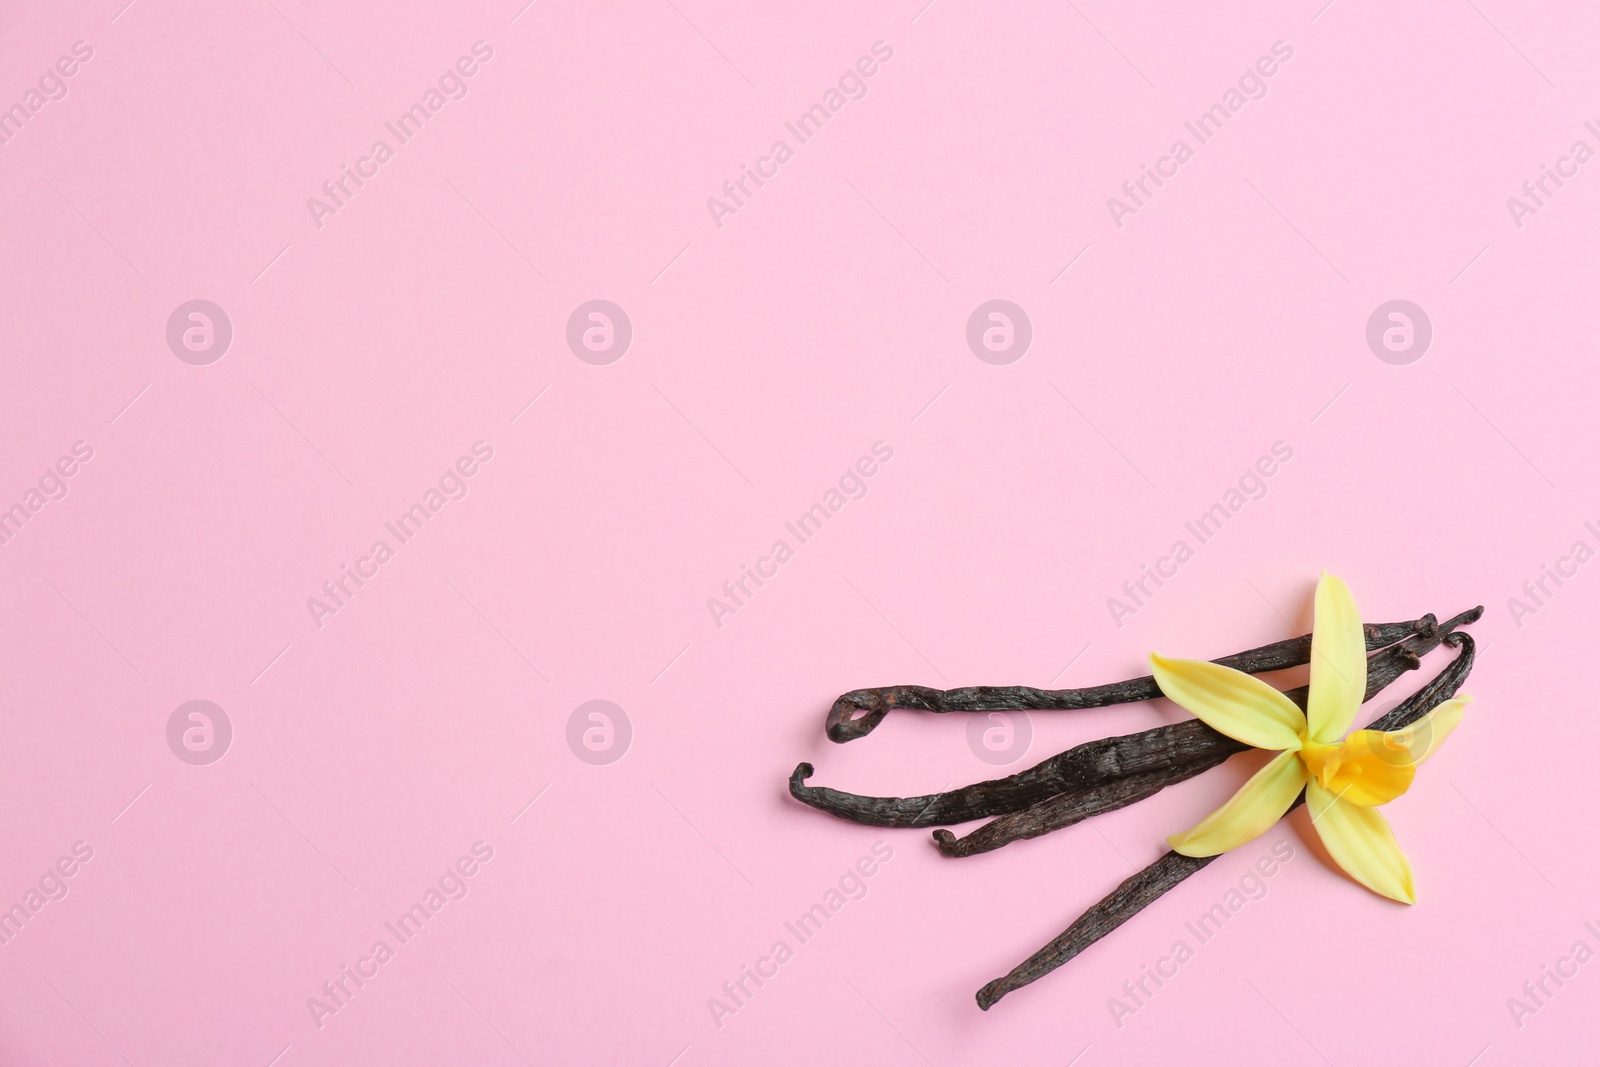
(1227, 314)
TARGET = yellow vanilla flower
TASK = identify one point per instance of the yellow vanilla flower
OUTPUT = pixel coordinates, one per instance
(1344, 779)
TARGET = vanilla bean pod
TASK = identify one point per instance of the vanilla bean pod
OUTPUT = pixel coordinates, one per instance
(1087, 766)
(1137, 892)
(845, 724)
(1444, 686)
(1093, 761)
(1205, 751)
(1123, 903)
(1069, 808)
(1075, 805)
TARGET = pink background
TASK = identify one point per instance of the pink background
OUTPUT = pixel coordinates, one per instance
(828, 313)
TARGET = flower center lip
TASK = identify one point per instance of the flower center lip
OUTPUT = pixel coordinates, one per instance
(1321, 760)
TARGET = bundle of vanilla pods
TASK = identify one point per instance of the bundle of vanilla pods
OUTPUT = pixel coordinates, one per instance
(1100, 776)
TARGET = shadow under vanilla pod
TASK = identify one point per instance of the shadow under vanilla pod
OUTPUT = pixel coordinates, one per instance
(1347, 777)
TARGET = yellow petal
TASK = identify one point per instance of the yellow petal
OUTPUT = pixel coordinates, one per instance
(1231, 702)
(1373, 766)
(1422, 738)
(1365, 770)
(1249, 813)
(1360, 841)
(1338, 661)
